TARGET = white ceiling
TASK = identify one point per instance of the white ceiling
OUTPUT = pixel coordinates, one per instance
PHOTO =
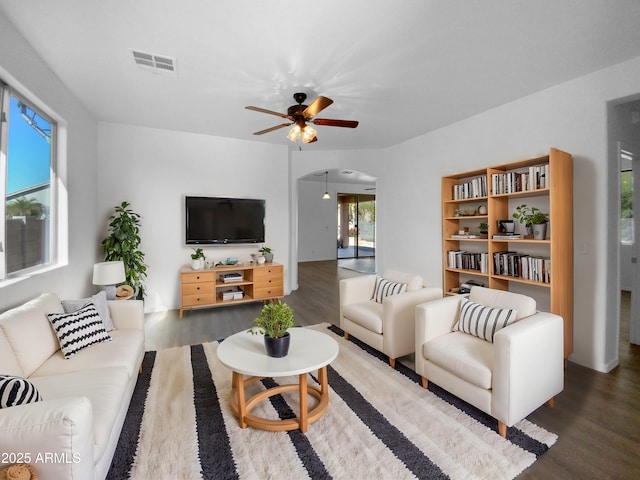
(402, 68)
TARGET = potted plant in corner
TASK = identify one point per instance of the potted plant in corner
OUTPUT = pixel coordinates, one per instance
(274, 321)
(197, 259)
(533, 218)
(267, 253)
(122, 244)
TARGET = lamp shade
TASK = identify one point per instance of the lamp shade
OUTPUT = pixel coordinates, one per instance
(108, 273)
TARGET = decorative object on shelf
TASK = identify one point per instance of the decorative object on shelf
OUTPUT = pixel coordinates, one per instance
(197, 259)
(123, 244)
(534, 218)
(267, 253)
(506, 227)
(274, 321)
(258, 258)
(482, 210)
(107, 275)
(484, 230)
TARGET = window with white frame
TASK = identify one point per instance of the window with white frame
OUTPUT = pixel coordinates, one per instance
(626, 198)
(27, 180)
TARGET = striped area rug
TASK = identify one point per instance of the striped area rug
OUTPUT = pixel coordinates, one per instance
(381, 424)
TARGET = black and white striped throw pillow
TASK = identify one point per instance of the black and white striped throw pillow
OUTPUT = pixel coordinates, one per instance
(79, 329)
(17, 391)
(385, 288)
(481, 321)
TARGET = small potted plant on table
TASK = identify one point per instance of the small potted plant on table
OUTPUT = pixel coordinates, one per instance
(274, 321)
(197, 259)
(267, 253)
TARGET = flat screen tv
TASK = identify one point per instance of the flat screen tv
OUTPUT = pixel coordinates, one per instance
(220, 221)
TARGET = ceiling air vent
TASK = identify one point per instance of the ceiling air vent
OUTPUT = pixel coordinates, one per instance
(156, 63)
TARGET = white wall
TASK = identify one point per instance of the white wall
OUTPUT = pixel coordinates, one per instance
(21, 66)
(318, 219)
(572, 117)
(154, 169)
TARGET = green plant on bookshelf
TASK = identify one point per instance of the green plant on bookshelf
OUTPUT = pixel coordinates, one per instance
(530, 216)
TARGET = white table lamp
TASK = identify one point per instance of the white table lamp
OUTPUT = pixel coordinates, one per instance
(108, 275)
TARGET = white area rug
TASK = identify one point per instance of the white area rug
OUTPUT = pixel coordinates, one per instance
(381, 424)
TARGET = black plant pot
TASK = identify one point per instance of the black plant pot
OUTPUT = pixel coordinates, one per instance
(277, 347)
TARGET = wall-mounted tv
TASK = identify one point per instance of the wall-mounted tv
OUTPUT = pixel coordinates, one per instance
(220, 221)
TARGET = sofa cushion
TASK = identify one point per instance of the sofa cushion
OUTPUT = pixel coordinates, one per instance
(481, 321)
(78, 330)
(17, 391)
(104, 387)
(367, 314)
(99, 300)
(126, 350)
(465, 356)
(8, 360)
(490, 297)
(413, 281)
(385, 288)
(40, 343)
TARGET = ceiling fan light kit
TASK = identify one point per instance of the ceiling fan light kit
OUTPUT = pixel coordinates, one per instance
(300, 114)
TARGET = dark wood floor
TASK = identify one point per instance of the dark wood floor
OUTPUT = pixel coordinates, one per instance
(597, 416)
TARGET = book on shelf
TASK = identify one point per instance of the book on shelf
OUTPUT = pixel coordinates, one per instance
(465, 235)
(521, 265)
(507, 236)
(463, 260)
(231, 277)
(474, 188)
(533, 178)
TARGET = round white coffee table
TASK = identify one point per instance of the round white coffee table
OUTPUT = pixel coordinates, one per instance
(245, 354)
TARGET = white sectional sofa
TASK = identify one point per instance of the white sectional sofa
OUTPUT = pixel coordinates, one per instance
(73, 431)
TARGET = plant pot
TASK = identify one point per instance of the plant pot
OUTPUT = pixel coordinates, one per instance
(539, 231)
(197, 264)
(277, 347)
(268, 257)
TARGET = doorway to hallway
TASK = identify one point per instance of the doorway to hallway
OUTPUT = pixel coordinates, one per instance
(356, 235)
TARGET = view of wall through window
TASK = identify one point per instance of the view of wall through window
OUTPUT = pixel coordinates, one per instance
(27, 138)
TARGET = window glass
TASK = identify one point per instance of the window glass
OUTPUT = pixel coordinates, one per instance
(27, 182)
(626, 198)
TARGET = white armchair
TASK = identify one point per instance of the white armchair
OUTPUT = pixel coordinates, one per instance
(508, 379)
(389, 326)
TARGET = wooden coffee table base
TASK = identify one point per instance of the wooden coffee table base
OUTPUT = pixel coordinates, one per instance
(242, 407)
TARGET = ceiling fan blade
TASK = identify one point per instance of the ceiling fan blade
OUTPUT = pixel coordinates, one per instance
(270, 112)
(273, 128)
(335, 123)
(316, 107)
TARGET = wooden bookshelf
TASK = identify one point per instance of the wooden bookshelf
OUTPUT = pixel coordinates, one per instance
(522, 181)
